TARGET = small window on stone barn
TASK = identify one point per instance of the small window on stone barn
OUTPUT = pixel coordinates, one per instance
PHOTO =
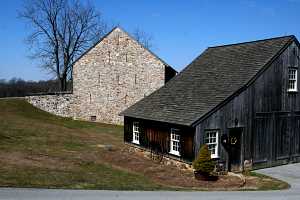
(93, 118)
(99, 78)
(109, 57)
(127, 41)
(119, 80)
(130, 57)
(117, 38)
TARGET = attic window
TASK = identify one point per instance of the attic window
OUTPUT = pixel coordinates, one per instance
(118, 39)
(292, 84)
(108, 56)
(125, 98)
(99, 78)
(118, 80)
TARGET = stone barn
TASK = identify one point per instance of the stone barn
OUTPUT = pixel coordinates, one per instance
(109, 77)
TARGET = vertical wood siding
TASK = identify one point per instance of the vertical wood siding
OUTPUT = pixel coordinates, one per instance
(155, 136)
(268, 114)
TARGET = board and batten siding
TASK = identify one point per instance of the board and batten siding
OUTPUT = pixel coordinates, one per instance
(155, 136)
(268, 114)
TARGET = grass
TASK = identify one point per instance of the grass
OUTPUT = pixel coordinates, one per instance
(41, 150)
(268, 183)
(38, 149)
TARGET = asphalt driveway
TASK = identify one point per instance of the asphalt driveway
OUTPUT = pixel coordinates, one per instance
(289, 173)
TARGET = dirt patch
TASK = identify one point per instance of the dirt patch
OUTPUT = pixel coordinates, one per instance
(166, 175)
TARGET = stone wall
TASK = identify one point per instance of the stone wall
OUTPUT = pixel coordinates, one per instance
(113, 75)
(58, 104)
(165, 160)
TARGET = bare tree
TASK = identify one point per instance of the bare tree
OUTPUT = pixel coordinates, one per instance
(61, 31)
(143, 38)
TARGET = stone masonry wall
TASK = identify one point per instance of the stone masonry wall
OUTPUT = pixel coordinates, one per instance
(112, 76)
(58, 104)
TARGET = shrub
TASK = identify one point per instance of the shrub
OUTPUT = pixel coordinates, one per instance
(203, 163)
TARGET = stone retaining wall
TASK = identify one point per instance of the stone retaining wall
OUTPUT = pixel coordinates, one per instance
(59, 104)
(165, 160)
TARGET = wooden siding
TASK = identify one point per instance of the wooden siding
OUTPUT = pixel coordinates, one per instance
(268, 114)
(155, 136)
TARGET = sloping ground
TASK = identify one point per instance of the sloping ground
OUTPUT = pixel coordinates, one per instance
(38, 149)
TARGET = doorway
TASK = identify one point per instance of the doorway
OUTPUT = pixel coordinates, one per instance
(235, 149)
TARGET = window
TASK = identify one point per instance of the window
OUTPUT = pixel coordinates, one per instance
(136, 133)
(119, 80)
(109, 57)
(175, 142)
(211, 139)
(99, 78)
(292, 84)
(93, 118)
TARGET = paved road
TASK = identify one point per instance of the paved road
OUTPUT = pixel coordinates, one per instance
(289, 173)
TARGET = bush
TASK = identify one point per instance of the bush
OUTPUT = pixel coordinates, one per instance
(203, 163)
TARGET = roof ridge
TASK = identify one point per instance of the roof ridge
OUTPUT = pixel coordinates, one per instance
(253, 41)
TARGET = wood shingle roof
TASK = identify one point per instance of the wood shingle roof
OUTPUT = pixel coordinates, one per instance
(217, 74)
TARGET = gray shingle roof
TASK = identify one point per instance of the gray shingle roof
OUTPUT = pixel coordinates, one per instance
(210, 79)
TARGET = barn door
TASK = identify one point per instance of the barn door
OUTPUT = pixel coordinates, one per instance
(283, 137)
(263, 138)
(235, 149)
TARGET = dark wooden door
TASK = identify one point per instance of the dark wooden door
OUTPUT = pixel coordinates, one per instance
(234, 149)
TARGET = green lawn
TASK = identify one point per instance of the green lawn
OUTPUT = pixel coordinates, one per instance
(38, 149)
(41, 150)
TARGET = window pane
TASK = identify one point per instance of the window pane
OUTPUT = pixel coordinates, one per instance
(211, 141)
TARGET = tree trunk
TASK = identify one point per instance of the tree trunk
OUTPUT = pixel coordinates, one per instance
(63, 84)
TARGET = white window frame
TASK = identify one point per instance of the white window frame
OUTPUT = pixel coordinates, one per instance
(292, 78)
(136, 133)
(174, 142)
(212, 141)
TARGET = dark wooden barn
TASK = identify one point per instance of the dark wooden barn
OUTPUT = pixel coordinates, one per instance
(240, 99)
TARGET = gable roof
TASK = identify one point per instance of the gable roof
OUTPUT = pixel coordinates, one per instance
(119, 28)
(216, 75)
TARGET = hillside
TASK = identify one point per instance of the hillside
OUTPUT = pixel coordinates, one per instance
(41, 150)
(38, 149)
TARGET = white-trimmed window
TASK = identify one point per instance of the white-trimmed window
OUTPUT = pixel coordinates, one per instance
(174, 142)
(292, 84)
(211, 139)
(136, 133)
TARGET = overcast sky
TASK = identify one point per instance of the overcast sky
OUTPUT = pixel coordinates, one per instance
(181, 29)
